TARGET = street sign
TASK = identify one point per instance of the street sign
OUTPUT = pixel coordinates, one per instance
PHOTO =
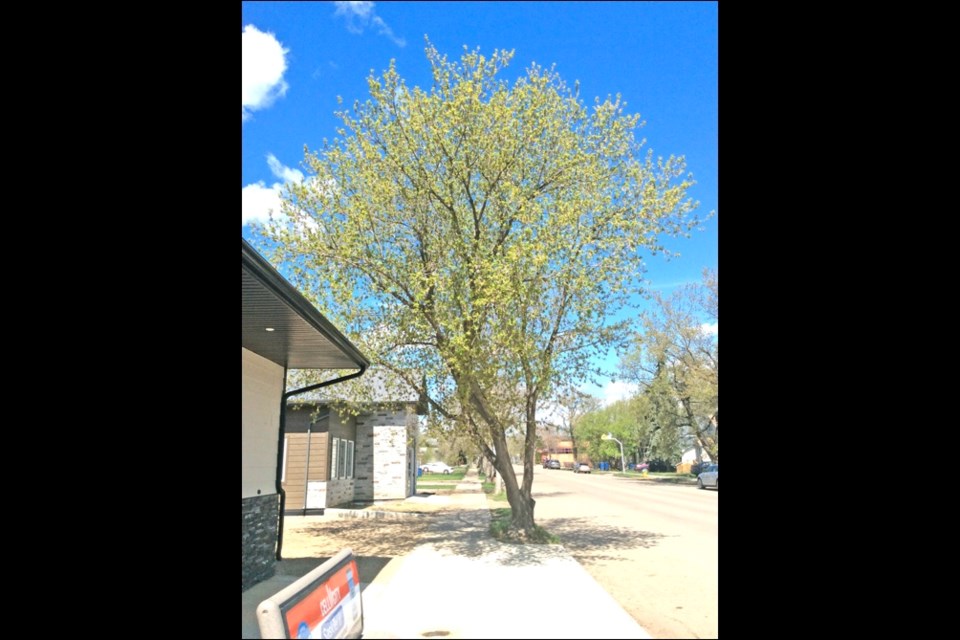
(325, 603)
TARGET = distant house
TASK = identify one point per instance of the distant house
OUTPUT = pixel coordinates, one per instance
(562, 450)
(691, 457)
(281, 330)
(363, 454)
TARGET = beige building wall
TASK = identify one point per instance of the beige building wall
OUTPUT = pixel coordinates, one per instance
(261, 391)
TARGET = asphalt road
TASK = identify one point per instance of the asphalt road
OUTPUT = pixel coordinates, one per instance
(652, 546)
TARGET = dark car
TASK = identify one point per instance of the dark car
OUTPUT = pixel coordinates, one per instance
(551, 464)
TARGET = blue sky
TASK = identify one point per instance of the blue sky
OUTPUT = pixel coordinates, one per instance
(660, 56)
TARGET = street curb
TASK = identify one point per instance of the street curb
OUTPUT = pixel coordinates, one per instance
(680, 483)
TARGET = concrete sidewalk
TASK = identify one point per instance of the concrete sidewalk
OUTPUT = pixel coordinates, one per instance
(471, 586)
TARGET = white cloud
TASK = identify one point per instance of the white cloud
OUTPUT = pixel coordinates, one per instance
(385, 30)
(360, 15)
(264, 63)
(616, 390)
(284, 173)
(258, 200)
(711, 329)
(360, 10)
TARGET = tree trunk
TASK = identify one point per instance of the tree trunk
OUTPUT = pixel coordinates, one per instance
(708, 443)
(521, 512)
(521, 503)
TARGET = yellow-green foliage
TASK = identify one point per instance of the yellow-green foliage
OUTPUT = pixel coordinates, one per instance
(477, 235)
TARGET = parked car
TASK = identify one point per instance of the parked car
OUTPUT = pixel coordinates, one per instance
(435, 467)
(582, 467)
(709, 477)
(551, 464)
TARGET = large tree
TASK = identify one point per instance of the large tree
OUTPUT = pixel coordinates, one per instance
(675, 358)
(476, 237)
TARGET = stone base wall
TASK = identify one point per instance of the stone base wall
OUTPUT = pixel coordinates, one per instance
(342, 491)
(260, 522)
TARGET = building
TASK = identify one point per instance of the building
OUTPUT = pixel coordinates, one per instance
(560, 449)
(691, 457)
(281, 330)
(364, 452)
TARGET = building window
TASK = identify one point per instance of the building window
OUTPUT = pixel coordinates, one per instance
(333, 458)
(349, 458)
(341, 458)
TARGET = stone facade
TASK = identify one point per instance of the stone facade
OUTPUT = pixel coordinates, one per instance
(260, 521)
(390, 462)
(363, 462)
(340, 491)
(384, 462)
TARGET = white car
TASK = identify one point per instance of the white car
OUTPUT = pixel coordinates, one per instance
(709, 477)
(581, 467)
(435, 467)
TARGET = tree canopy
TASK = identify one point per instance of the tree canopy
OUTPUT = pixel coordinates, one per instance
(476, 238)
(675, 358)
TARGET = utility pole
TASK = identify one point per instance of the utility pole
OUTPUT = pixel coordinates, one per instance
(609, 436)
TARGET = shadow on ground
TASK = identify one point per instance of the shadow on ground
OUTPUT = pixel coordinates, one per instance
(584, 538)
(468, 534)
(456, 532)
(680, 482)
(373, 537)
(539, 494)
(367, 566)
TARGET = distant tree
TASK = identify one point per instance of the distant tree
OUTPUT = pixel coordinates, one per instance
(660, 431)
(646, 428)
(675, 358)
(570, 406)
(482, 234)
(618, 419)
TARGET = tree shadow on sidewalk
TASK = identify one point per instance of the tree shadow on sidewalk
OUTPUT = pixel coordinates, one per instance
(367, 566)
(467, 534)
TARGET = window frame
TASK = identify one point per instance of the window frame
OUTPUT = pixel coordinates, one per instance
(334, 460)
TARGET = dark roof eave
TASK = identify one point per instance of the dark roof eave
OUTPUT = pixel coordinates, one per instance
(263, 271)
